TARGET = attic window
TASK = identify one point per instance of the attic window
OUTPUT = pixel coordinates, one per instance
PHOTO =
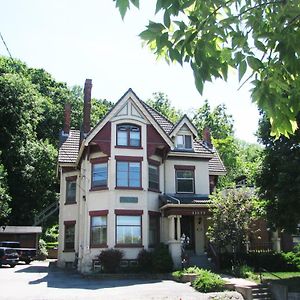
(128, 135)
(184, 141)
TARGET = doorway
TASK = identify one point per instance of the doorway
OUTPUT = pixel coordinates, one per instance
(188, 229)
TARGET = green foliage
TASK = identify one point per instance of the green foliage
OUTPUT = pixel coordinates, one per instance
(42, 251)
(31, 116)
(190, 270)
(215, 36)
(279, 181)
(5, 198)
(233, 210)
(293, 257)
(51, 234)
(110, 259)
(162, 104)
(162, 260)
(145, 260)
(244, 271)
(207, 282)
(271, 261)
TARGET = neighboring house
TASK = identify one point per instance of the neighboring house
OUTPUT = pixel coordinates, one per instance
(134, 180)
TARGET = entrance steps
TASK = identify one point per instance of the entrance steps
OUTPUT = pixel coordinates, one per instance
(261, 291)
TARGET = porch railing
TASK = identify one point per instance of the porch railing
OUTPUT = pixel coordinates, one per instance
(260, 247)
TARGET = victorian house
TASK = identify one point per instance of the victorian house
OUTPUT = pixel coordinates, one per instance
(132, 181)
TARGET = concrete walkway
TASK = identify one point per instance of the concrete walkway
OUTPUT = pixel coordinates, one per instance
(238, 281)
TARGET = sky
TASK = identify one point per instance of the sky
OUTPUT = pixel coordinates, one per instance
(76, 39)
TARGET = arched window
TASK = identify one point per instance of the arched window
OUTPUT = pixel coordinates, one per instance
(128, 135)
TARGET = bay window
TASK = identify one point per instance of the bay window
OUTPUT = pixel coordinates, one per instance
(128, 174)
(129, 230)
(98, 230)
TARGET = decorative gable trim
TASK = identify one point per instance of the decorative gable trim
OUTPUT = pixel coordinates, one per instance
(184, 121)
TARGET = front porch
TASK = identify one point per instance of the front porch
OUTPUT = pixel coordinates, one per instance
(186, 225)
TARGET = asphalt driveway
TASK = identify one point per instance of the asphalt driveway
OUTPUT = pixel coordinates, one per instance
(39, 282)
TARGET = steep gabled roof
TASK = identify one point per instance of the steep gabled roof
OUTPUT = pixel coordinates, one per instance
(184, 120)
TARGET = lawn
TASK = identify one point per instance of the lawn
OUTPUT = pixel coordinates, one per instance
(290, 279)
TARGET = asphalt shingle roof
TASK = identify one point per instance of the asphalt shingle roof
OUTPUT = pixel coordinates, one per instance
(69, 145)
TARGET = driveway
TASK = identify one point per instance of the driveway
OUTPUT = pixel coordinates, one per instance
(39, 282)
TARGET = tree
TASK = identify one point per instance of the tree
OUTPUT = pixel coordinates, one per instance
(279, 181)
(162, 104)
(214, 36)
(233, 211)
(4, 197)
(220, 124)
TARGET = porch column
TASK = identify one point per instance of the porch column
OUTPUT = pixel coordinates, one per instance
(174, 245)
(171, 228)
(178, 228)
(276, 241)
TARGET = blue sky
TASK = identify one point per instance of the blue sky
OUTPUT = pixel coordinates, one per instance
(74, 40)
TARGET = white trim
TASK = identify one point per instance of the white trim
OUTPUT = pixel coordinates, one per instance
(190, 154)
(179, 125)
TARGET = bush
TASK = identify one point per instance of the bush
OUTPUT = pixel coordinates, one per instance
(191, 270)
(271, 261)
(162, 260)
(207, 282)
(42, 251)
(145, 260)
(293, 257)
(110, 260)
(244, 271)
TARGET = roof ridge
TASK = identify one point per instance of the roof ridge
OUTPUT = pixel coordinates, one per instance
(163, 116)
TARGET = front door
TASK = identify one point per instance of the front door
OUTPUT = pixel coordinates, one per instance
(188, 230)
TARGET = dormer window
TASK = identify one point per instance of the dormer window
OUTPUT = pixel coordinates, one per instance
(128, 135)
(184, 142)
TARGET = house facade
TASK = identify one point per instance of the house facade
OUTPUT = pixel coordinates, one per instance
(132, 181)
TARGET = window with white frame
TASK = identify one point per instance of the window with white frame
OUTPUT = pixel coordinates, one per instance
(129, 230)
(184, 181)
(184, 141)
(98, 231)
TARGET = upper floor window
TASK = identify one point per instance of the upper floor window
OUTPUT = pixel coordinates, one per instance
(99, 175)
(128, 135)
(184, 141)
(185, 179)
(129, 174)
(71, 189)
(153, 177)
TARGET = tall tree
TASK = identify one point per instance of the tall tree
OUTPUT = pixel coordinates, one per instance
(279, 181)
(214, 36)
(4, 196)
(162, 104)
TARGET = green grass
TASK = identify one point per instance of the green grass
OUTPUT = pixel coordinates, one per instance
(289, 279)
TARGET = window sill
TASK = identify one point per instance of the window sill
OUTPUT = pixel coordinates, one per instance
(99, 246)
(129, 246)
(69, 250)
(129, 147)
(98, 188)
(128, 188)
(70, 203)
(154, 190)
(187, 193)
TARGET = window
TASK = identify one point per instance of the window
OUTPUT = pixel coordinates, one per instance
(69, 235)
(99, 175)
(153, 230)
(153, 177)
(71, 189)
(128, 174)
(184, 181)
(98, 231)
(128, 135)
(184, 141)
(129, 230)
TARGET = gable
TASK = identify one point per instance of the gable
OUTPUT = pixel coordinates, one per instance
(184, 126)
(128, 105)
(129, 110)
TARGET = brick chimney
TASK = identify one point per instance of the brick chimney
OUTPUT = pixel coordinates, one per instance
(87, 106)
(67, 121)
(207, 137)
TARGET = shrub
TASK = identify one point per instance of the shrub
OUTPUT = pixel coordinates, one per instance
(145, 260)
(110, 260)
(207, 282)
(271, 261)
(162, 260)
(293, 257)
(42, 251)
(191, 270)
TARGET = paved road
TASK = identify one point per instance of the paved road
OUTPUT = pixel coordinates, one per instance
(37, 282)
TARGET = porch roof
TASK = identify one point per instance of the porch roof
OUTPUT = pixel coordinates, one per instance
(183, 199)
